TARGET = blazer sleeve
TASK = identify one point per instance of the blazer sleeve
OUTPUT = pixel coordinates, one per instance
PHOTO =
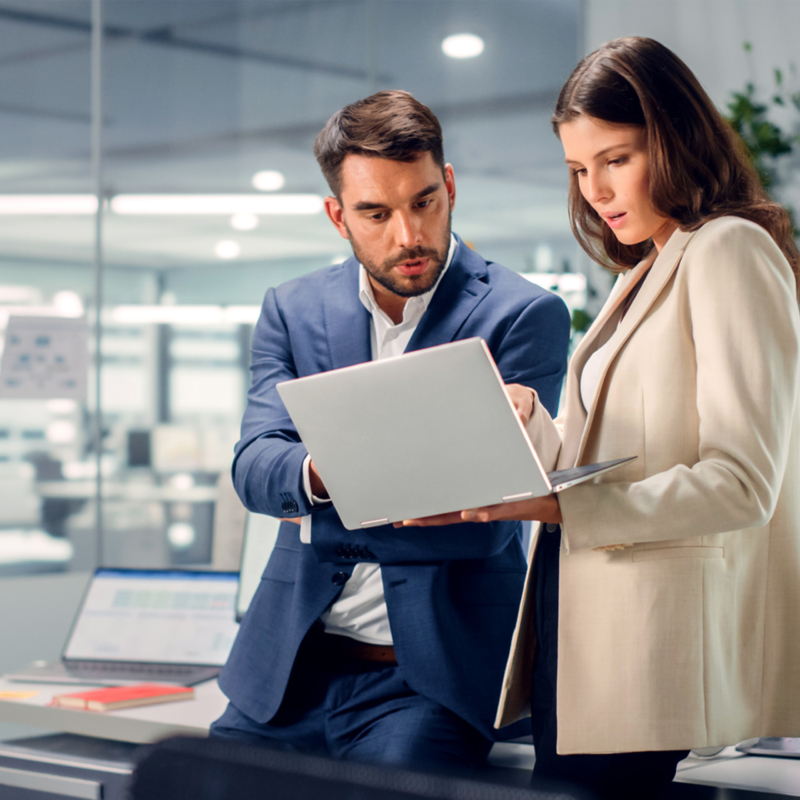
(268, 460)
(741, 301)
(545, 434)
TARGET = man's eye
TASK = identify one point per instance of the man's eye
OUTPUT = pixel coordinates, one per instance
(423, 203)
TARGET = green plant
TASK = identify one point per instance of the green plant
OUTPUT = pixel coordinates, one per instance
(764, 140)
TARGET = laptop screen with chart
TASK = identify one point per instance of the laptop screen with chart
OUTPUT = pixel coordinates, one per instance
(169, 617)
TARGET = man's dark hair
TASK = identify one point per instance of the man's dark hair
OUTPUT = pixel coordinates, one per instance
(385, 125)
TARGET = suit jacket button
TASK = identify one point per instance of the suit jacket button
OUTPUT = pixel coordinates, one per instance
(340, 552)
(340, 578)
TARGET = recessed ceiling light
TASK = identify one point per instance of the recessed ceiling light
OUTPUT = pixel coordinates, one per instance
(268, 180)
(244, 222)
(462, 45)
(196, 204)
(227, 249)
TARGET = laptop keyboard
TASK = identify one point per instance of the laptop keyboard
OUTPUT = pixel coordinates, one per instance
(115, 668)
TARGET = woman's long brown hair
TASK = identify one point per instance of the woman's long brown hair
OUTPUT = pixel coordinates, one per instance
(699, 169)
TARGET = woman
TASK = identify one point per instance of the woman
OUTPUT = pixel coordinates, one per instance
(662, 609)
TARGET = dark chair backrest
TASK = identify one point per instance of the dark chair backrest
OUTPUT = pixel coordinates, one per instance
(216, 769)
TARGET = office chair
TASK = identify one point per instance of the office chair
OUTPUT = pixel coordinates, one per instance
(216, 769)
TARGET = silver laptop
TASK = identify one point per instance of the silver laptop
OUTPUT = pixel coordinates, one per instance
(424, 433)
(165, 626)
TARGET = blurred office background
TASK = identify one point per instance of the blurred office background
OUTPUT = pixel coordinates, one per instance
(210, 195)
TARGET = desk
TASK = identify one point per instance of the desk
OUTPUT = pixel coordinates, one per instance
(731, 769)
(138, 725)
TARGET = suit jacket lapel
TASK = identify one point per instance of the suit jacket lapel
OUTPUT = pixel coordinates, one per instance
(456, 297)
(661, 271)
(346, 319)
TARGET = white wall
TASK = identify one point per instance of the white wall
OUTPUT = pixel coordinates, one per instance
(707, 35)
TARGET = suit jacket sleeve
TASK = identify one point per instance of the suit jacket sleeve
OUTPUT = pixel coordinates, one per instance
(740, 295)
(268, 461)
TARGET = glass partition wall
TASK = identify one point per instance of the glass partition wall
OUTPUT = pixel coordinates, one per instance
(210, 195)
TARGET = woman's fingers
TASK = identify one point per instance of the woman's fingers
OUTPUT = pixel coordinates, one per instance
(522, 398)
(436, 520)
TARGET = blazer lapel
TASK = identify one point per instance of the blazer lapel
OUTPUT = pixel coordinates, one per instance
(456, 297)
(661, 271)
(346, 319)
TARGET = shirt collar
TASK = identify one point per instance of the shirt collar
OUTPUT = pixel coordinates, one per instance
(419, 303)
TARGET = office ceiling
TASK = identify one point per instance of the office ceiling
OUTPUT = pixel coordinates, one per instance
(199, 95)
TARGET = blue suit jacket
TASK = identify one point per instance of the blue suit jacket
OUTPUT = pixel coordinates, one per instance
(452, 594)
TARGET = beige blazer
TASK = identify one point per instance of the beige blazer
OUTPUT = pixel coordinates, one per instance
(690, 636)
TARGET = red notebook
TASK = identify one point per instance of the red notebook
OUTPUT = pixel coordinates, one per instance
(140, 694)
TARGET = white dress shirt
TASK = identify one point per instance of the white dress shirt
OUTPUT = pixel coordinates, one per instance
(360, 611)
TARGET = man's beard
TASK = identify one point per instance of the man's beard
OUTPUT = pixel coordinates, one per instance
(419, 285)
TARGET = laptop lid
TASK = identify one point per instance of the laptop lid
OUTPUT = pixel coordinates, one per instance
(260, 535)
(423, 433)
(181, 617)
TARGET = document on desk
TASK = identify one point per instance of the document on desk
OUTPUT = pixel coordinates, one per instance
(424, 433)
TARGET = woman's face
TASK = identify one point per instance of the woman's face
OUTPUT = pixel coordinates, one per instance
(610, 163)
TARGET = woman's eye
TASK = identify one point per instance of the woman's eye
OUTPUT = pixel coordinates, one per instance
(579, 172)
(617, 161)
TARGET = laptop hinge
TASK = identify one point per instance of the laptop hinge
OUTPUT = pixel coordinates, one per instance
(512, 497)
(373, 523)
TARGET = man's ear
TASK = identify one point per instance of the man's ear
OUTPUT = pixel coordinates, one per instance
(335, 212)
(450, 184)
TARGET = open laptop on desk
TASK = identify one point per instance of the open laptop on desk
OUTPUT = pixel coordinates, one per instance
(165, 626)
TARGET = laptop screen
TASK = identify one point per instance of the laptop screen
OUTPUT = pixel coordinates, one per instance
(161, 616)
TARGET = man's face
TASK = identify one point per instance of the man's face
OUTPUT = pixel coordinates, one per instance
(396, 215)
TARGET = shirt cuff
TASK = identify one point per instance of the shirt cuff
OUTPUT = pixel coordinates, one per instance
(305, 529)
(313, 500)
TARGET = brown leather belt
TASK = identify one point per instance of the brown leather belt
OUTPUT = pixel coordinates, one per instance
(341, 652)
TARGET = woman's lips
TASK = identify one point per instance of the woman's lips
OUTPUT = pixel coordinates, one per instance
(409, 268)
(615, 220)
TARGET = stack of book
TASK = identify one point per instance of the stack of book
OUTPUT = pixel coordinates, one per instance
(115, 697)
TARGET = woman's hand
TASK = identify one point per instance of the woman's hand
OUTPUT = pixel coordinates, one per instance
(541, 509)
(522, 398)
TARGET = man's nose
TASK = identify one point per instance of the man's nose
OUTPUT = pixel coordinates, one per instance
(407, 230)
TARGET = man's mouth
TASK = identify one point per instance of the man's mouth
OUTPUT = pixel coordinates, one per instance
(413, 267)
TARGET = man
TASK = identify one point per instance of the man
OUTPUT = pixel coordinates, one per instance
(385, 644)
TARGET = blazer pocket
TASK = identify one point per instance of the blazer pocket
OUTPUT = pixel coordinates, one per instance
(282, 566)
(659, 553)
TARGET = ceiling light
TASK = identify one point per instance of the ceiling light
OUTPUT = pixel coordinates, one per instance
(244, 222)
(268, 180)
(19, 294)
(48, 204)
(228, 204)
(182, 315)
(68, 304)
(61, 432)
(241, 315)
(227, 249)
(181, 535)
(166, 315)
(462, 45)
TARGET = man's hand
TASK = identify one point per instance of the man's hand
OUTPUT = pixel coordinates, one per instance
(541, 509)
(522, 398)
(317, 486)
